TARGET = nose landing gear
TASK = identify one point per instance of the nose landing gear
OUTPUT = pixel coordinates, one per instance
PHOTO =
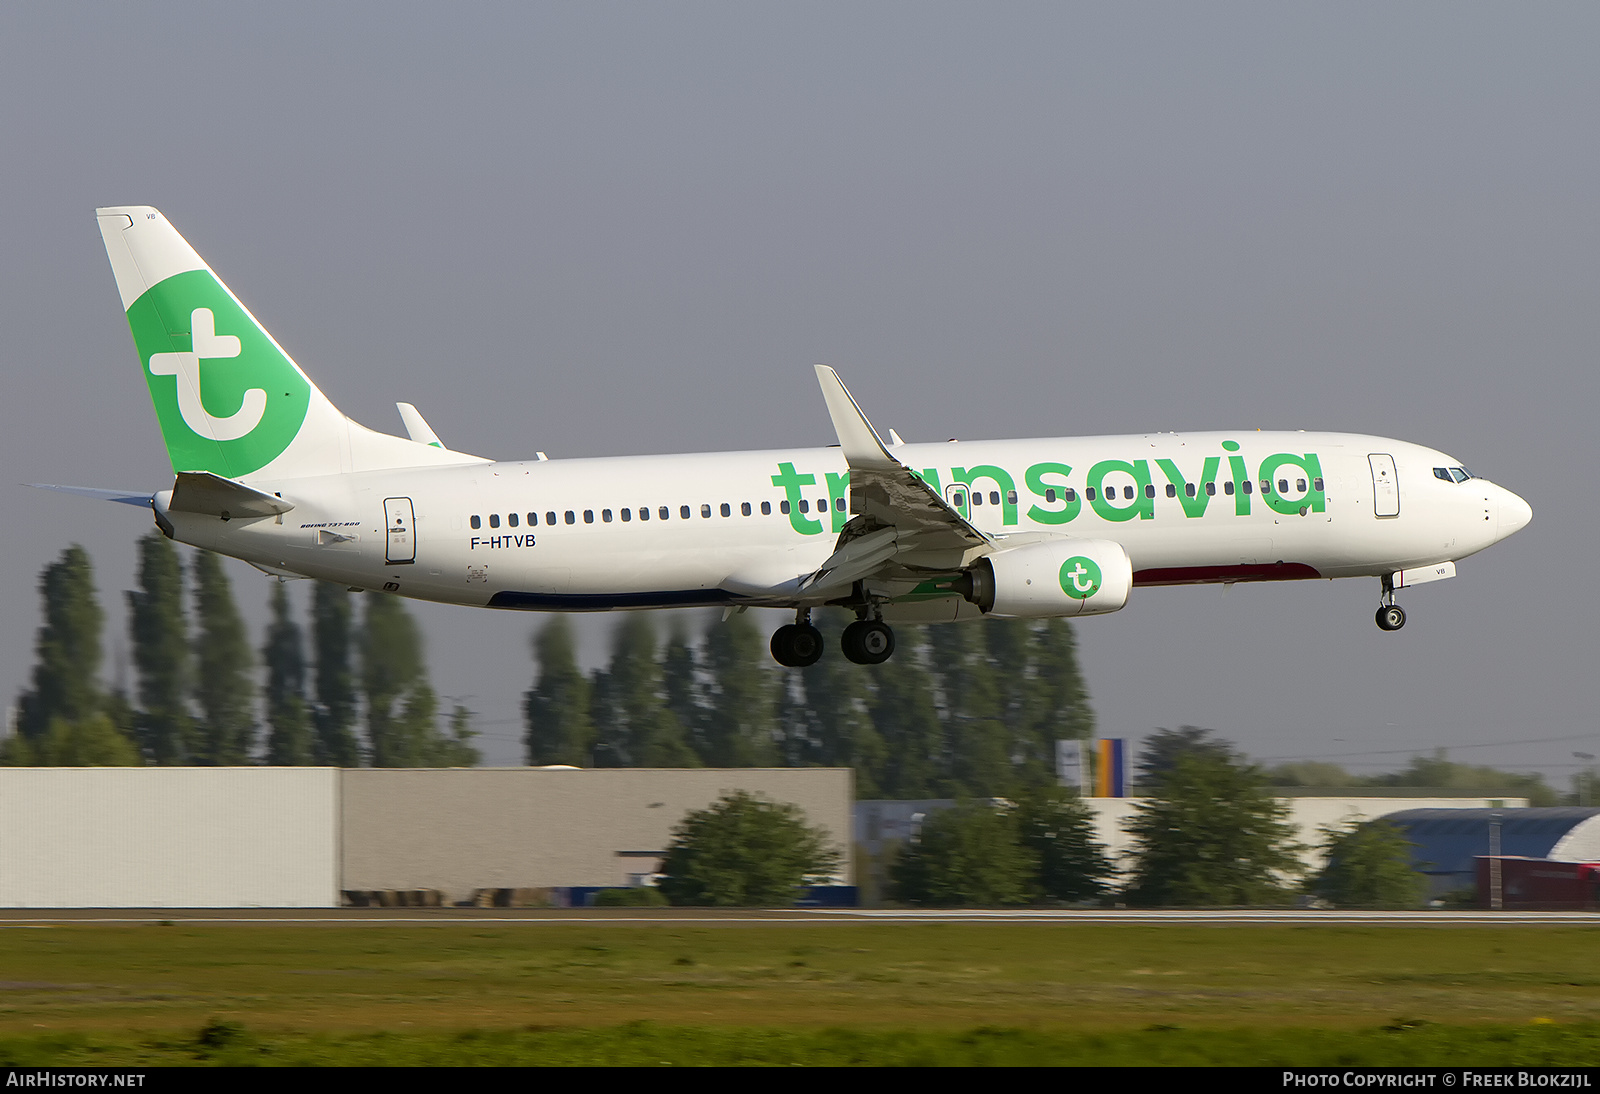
(1391, 616)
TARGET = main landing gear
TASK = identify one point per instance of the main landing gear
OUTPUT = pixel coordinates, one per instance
(868, 642)
(799, 644)
(1391, 616)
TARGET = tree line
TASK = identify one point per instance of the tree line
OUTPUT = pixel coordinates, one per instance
(356, 693)
(968, 710)
(1211, 834)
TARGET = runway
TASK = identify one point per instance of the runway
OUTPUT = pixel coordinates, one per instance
(441, 917)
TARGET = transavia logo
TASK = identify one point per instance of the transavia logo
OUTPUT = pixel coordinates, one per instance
(1080, 577)
(228, 400)
(208, 345)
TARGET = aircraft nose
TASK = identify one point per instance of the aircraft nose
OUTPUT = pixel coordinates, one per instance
(1514, 514)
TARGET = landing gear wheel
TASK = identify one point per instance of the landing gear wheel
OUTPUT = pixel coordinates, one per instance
(1391, 617)
(797, 645)
(868, 642)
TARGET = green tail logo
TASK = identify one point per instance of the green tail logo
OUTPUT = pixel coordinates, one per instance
(228, 400)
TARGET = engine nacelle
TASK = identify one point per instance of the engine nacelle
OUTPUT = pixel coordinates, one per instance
(1059, 577)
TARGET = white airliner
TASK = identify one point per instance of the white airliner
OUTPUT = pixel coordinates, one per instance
(269, 471)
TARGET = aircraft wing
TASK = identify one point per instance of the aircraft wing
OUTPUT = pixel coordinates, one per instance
(902, 527)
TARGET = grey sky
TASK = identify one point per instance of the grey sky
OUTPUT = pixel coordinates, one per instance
(597, 229)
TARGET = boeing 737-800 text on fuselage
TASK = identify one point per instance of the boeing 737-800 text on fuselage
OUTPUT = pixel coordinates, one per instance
(269, 471)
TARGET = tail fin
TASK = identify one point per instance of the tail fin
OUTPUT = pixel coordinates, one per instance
(230, 400)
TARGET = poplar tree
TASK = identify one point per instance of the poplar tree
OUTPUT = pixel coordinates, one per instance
(66, 682)
(741, 727)
(680, 684)
(556, 708)
(905, 717)
(161, 654)
(223, 687)
(289, 738)
(836, 716)
(334, 717)
(392, 678)
(979, 744)
(633, 725)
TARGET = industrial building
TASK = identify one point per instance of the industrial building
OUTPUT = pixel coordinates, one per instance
(287, 837)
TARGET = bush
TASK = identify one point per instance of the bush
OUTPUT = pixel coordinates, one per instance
(637, 896)
(1369, 866)
(1212, 835)
(745, 852)
(969, 855)
(1056, 826)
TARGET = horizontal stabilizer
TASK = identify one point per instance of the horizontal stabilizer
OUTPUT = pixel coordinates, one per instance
(215, 496)
(126, 497)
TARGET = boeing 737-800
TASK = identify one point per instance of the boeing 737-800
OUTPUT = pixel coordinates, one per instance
(269, 471)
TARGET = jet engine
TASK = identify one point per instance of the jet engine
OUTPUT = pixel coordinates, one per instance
(1058, 577)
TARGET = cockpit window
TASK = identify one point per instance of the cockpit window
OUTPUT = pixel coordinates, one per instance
(1453, 474)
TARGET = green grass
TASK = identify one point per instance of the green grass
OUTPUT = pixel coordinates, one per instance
(832, 992)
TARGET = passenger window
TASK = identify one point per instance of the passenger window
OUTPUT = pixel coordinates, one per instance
(977, 497)
(705, 512)
(477, 521)
(1149, 491)
(512, 520)
(1071, 494)
(1211, 489)
(1089, 493)
(1050, 494)
(1127, 492)
(838, 503)
(1249, 485)
(683, 511)
(664, 513)
(783, 507)
(822, 505)
(644, 512)
(960, 498)
(1011, 497)
(744, 509)
(727, 510)
(533, 519)
(1172, 491)
(605, 515)
(588, 516)
(1283, 486)
(572, 518)
(1316, 483)
(494, 520)
(994, 497)
(1266, 487)
(627, 515)
(1227, 487)
(766, 508)
(1188, 488)
(1300, 485)
(805, 506)
(550, 518)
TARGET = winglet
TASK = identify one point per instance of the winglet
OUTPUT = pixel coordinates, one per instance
(860, 443)
(417, 427)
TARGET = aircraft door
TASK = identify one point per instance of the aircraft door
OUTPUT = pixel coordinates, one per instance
(1385, 485)
(401, 544)
(956, 494)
